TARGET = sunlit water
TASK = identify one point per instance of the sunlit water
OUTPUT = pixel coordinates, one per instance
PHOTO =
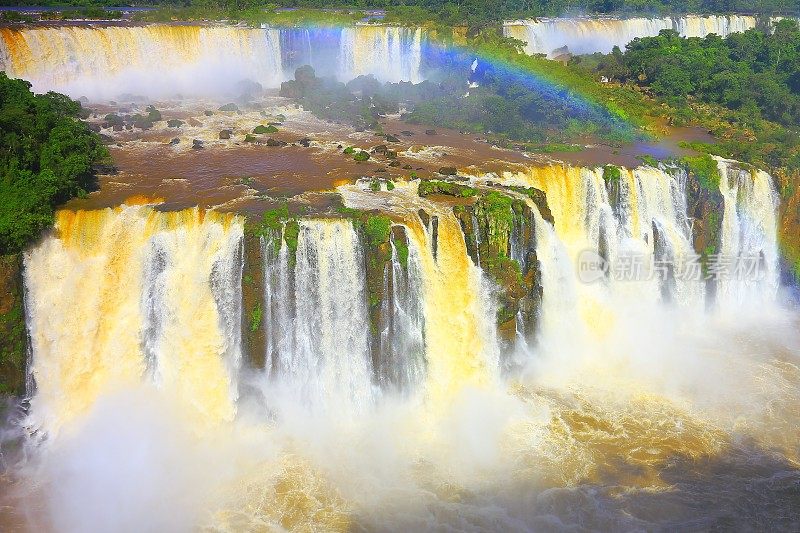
(627, 414)
(637, 406)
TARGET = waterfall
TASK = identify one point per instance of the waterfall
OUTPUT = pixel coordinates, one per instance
(154, 60)
(164, 60)
(460, 335)
(633, 235)
(402, 335)
(587, 35)
(747, 262)
(318, 47)
(389, 53)
(125, 295)
(319, 338)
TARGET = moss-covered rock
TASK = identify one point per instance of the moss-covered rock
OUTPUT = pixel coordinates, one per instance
(400, 242)
(705, 208)
(449, 188)
(153, 114)
(499, 234)
(375, 230)
(252, 300)
(282, 227)
(539, 198)
(112, 119)
(611, 173)
(705, 171)
(261, 129)
(789, 225)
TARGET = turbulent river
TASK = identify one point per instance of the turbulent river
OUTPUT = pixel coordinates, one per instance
(634, 400)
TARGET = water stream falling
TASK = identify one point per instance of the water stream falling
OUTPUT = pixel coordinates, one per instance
(749, 238)
(136, 320)
(118, 296)
(323, 338)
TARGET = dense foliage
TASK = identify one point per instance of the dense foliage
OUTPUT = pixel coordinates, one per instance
(446, 11)
(752, 71)
(745, 88)
(46, 157)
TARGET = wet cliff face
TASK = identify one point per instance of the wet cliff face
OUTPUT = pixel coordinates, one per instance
(388, 247)
(789, 227)
(13, 336)
(705, 208)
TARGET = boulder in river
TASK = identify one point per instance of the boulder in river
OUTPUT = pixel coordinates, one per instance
(197, 144)
(142, 124)
(225, 134)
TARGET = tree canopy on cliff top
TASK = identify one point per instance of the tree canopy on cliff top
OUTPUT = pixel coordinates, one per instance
(461, 11)
(46, 158)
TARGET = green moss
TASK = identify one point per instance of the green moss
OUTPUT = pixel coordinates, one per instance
(255, 318)
(349, 150)
(153, 114)
(250, 138)
(348, 212)
(361, 156)
(704, 168)
(714, 227)
(375, 185)
(401, 248)
(448, 188)
(498, 206)
(648, 160)
(278, 224)
(389, 185)
(261, 129)
(272, 218)
(556, 148)
(377, 230)
(611, 173)
(291, 233)
(507, 273)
